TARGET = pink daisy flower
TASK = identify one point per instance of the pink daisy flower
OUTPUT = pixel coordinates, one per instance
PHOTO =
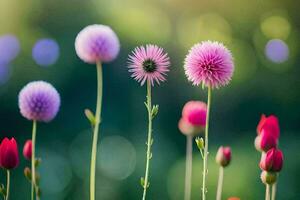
(149, 63)
(210, 63)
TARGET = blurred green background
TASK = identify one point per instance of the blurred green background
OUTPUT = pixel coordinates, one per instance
(264, 38)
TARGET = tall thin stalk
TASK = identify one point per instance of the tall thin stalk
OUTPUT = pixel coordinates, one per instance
(7, 185)
(268, 191)
(220, 183)
(205, 169)
(96, 130)
(274, 188)
(149, 140)
(33, 172)
(188, 167)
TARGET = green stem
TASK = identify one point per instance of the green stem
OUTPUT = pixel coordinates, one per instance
(267, 192)
(188, 167)
(220, 183)
(149, 140)
(33, 179)
(7, 185)
(205, 169)
(274, 187)
(96, 130)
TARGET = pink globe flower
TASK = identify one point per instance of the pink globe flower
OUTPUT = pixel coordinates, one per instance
(27, 150)
(9, 155)
(149, 63)
(187, 129)
(272, 161)
(97, 43)
(269, 124)
(210, 63)
(223, 156)
(194, 112)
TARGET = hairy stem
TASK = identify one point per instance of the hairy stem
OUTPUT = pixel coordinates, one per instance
(96, 130)
(33, 172)
(220, 183)
(188, 167)
(205, 169)
(149, 140)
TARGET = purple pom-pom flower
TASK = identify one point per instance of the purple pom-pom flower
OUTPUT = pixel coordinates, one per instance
(149, 63)
(39, 101)
(210, 63)
(97, 43)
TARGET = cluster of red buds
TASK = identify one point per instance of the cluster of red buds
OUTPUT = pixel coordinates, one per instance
(271, 162)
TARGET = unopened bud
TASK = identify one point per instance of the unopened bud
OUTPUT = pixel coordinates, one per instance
(200, 143)
(223, 156)
(268, 177)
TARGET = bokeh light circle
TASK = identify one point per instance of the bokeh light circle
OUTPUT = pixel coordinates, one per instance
(276, 27)
(117, 157)
(277, 51)
(45, 52)
(5, 73)
(9, 48)
(55, 171)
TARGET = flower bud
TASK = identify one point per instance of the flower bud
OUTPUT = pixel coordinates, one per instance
(9, 156)
(200, 143)
(223, 156)
(265, 141)
(195, 113)
(268, 177)
(272, 161)
(270, 124)
(27, 150)
(187, 129)
(27, 173)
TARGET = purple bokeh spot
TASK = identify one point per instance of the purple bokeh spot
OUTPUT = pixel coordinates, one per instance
(277, 51)
(9, 48)
(45, 52)
(5, 73)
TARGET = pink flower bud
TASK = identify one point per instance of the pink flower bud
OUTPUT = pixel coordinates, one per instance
(27, 150)
(9, 156)
(234, 198)
(269, 124)
(195, 113)
(272, 161)
(223, 156)
(187, 129)
(265, 141)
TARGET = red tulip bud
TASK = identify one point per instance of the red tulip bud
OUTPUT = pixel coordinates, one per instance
(265, 141)
(27, 150)
(272, 161)
(223, 156)
(269, 124)
(9, 156)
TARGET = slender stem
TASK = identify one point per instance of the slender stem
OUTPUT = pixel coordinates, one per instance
(205, 169)
(149, 140)
(268, 191)
(220, 183)
(7, 185)
(274, 187)
(188, 167)
(96, 130)
(33, 179)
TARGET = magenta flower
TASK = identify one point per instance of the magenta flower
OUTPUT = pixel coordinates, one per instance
(39, 101)
(27, 150)
(272, 161)
(97, 43)
(269, 124)
(149, 63)
(9, 156)
(195, 113)
(223, 156)
(210, 63)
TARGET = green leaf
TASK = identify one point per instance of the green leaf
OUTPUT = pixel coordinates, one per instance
(154, 111)
(37, 162)
(27, 173)
(90, 116)
(142, 181)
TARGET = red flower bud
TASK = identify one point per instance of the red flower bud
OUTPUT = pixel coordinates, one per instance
(234, 198)
(272, 161)
(265, 141)
(223, 156)
(27, 150)
(9, 156)
(269, 124)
